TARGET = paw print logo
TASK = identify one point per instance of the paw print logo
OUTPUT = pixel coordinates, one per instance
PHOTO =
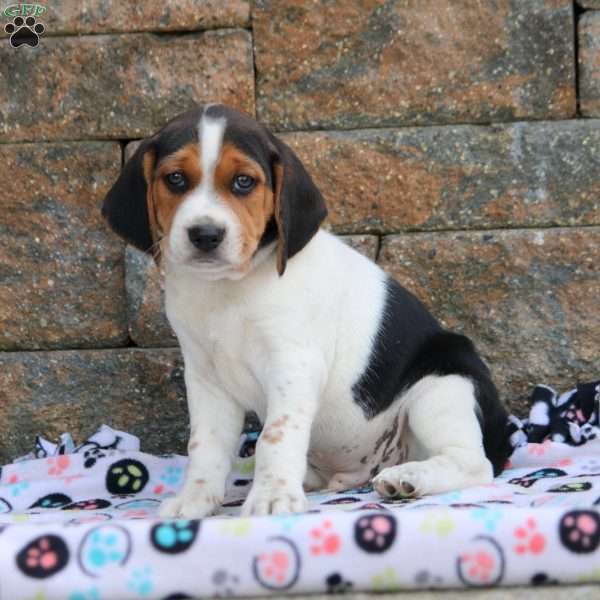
(426, 579)
(489, 516)
(438, 523)
(141, 582)
(104, 547)
(24, 32)
(173, 537)
(325, 540)
(482, 564)
(172, 475)
(579, 531)
(336, 584)
(92, 455)
(16, 486)
(278, 567)
(126, 476)
(57, 465)
(529, 538)
(44, 556)
(375, 533)
(535, 449)
(225, 583)
(385, 581)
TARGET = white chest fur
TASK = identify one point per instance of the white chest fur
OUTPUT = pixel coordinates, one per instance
(328, 303)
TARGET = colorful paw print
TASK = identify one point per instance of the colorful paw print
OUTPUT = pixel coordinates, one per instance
(44, 556)
(438, 523)
(278, 568)
(239, 527)
(16, 486)
(490, 517)
(385, 581)
(141, 582)
(337, 584)
(482, 564)
(126, 476)
(375, 533)
(529, 539)
(225, 583)
(57, 465)
(324, 539)
(579, 531)
(538, 449)
(173, 537)
(102, 548)
(172, 475)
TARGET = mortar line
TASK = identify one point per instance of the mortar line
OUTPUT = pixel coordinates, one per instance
(371, 128)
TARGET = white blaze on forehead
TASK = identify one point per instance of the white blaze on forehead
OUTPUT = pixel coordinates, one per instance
(210, 136)
(204, 205)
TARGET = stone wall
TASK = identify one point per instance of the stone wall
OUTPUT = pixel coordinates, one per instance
(457, 143)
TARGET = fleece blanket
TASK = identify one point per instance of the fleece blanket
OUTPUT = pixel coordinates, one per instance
(80, 523)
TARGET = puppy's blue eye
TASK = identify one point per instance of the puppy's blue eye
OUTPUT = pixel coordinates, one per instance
(176, 181)
(243, 184)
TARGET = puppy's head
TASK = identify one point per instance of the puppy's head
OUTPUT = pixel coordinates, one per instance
(213, 190)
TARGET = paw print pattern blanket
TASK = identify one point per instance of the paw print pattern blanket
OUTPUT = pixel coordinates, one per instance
(79, 523)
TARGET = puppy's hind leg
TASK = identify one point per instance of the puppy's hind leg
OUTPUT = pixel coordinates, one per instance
(443, 421)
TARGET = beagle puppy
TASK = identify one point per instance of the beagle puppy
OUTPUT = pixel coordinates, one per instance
(352, 377)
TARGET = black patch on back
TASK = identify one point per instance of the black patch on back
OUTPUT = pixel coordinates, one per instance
(404, 327)
(410, 345)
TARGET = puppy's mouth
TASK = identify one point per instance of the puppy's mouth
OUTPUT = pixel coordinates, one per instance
(210, 268)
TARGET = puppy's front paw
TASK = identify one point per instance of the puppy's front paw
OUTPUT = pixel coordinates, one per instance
(403, 481)
(274, 500)
(187, 505)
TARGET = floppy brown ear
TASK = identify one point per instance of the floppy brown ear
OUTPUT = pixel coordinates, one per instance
(299, 206)
(128, 206)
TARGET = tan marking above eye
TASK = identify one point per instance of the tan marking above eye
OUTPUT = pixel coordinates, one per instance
(254, 209)
(166, 202)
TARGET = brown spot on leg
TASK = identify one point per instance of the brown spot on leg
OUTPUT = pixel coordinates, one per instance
(273, 433)
(200, 481)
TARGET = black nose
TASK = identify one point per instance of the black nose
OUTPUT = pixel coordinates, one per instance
(206, 237)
